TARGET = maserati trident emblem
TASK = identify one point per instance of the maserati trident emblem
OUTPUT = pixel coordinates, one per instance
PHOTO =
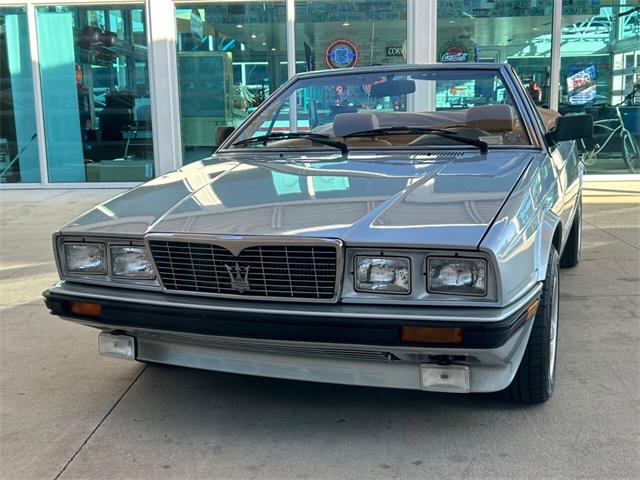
(236, 275)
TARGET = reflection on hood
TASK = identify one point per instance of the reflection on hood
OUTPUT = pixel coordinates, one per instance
(359, 199)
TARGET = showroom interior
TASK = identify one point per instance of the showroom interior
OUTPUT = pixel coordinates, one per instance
(114, 93)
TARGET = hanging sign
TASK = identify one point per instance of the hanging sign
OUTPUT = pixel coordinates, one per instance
(394, 51)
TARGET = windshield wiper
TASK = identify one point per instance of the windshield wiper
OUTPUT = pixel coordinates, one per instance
(314, 137)
(483, 146)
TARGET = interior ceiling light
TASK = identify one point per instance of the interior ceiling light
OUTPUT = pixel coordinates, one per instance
(346, 24)
(238, 26)
(253, 35)
(264, 43)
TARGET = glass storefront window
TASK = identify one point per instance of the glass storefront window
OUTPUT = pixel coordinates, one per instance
(95, 92)
(518, 33)
(231, 56)
(18, 139)
(334, 34)
(600, 75)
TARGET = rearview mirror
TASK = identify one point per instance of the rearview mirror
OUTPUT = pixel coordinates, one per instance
(393, 88)
(222, 133)
(571, 127)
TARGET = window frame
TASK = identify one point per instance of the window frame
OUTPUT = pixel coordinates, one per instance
(503, 71)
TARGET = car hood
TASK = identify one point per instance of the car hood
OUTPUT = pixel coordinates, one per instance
(410, 199)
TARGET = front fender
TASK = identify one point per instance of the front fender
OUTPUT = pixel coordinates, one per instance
(521, 236)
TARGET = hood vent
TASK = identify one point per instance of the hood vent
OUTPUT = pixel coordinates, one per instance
(422, 155)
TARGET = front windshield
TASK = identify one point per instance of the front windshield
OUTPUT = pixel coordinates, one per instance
(370, 110)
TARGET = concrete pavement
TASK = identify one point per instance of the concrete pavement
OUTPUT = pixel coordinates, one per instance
(66, 412)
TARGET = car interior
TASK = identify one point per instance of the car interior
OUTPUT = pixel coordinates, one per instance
(494, 124)
(343, 108)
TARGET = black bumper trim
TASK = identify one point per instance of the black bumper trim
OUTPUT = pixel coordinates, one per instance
(125, 315)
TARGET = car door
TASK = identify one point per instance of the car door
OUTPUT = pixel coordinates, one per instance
(564, 160)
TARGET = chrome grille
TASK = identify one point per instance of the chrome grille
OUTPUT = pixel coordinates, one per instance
(274, 271)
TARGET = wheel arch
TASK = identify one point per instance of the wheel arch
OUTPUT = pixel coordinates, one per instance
(549, 235)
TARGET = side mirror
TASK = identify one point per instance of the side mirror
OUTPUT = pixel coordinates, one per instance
(222, 133)
(571, 127)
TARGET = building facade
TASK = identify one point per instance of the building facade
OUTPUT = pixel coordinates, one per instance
(113, 93)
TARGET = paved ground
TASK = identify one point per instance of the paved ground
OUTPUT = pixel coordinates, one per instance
(67, 413)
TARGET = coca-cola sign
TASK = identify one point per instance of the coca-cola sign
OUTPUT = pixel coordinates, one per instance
(454, 53)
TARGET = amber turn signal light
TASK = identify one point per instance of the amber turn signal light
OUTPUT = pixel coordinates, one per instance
(85, 309)
(532, 308)
(432, 335)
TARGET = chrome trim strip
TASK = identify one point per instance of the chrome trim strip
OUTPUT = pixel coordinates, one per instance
(236, 244)
(377, 312)
(376, 353)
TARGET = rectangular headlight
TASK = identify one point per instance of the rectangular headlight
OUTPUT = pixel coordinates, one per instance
(131, 262)
(85, 258)
(383, 275)
(458, 276)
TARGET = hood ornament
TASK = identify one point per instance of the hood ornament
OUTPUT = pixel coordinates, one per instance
(238, 282)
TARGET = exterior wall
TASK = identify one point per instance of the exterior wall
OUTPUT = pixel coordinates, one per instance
(159, 44)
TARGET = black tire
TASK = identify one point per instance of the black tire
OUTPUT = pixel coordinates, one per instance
(573, 249)
(535, 379)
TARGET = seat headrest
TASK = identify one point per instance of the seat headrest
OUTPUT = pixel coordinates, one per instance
(347, 123)
(491, 118)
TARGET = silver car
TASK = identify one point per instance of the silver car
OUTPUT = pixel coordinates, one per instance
(387, 226)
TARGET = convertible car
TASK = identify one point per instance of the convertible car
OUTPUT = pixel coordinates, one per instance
(394, 227)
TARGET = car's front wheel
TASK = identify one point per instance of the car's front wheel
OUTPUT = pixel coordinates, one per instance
(535, 379)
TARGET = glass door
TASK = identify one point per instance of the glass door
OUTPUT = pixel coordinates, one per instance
(95, 92)
(19, 162)
(231, 56)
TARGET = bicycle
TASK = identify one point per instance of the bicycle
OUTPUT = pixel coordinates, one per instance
(614, 128)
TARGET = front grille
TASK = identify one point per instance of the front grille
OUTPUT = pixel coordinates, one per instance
(300, 272)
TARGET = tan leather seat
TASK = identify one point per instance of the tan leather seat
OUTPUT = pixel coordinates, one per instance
(548, 117)
(492, 118)
(348, 123)
(499, 119)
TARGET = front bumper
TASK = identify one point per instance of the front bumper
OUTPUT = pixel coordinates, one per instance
(348, 344)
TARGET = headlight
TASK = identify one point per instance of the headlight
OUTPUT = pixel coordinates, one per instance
(453, 275)
(131, 262)
(383, 275)
(85, 258)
